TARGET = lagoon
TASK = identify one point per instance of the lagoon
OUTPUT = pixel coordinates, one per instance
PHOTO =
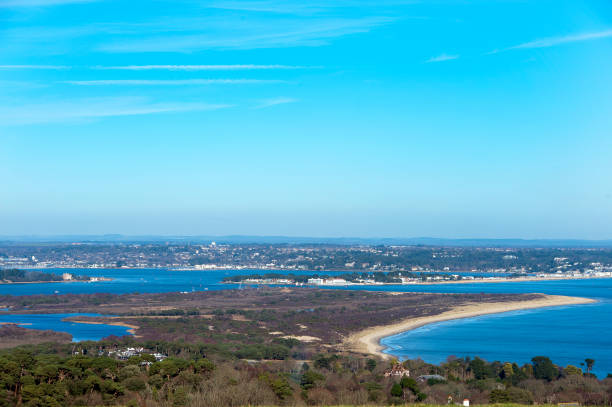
(55, 322)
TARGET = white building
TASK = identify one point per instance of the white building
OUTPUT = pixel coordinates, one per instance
(315, 281)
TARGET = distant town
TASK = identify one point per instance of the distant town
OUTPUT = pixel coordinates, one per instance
(395, 277)
(580, 262)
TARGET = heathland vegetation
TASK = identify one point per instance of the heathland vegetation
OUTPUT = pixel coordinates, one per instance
(267, 346)
(195, 375)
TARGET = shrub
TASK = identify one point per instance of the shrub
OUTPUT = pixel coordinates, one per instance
(396, 390)
(134, 384)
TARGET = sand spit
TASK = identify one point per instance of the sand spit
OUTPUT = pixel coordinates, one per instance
(368, 340)
(132, 327)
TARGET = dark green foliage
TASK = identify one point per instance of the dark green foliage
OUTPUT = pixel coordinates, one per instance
(543, 368)
(511, 395)
(261, 351)
(134, 384)
(47, 376)
(204, 366)
(179, 397)
(396, 390)
(480, 369)
(324, 362)
(310, 378)
(279, 385)
(287, 342)
(24, 276)
(589, 364)
(33, 377)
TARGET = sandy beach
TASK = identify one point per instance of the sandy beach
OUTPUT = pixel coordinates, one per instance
(368, 340)
(132, 327)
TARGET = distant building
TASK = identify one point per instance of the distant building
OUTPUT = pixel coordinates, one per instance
(426, 377)
(335, 281)
(66, 276)
(397, 371)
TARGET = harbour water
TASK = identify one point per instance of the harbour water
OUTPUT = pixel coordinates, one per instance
(55, 322)
(567, 334)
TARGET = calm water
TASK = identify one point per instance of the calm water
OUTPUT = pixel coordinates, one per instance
(139, 280)
(79, 332)
(567, 334)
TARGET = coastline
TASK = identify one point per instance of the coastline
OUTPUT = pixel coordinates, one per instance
(132, 328)
(465, 281)
(508, 280)
(97, 279)
(368, 340)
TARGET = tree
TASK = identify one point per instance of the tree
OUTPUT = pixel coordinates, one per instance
(478, 367)
(281, 388)
(396, 390)
(134, 384)
(507, 370)
(589, 364)
(410, 384)
(510, 395)
(310, 378)
(204, 366)
(179, 397)
(371, 364)
(571, 370)
(543, 368)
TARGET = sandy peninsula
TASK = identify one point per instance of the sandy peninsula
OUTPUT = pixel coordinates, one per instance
(132, 328)
(368, 340)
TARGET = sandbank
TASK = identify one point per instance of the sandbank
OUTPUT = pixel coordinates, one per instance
(368, 340)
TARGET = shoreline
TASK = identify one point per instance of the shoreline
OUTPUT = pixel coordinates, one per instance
(132, 328)
(465, 281)
(98, 279)
(508, 280)
(368, 340)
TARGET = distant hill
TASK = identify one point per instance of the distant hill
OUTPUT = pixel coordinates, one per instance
(251, 239)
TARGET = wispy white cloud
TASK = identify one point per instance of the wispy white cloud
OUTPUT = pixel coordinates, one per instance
(274, 102)
(171, 82)
(91, 109)
(304, 7)
(554, 41)
(275, 6)
(246, 67)
(189, 34)
(442, 58)
(250, 34)
(39, 3)
(22, 84)
(22, 67)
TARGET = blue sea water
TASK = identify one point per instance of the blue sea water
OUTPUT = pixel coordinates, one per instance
(128, 281)
(567, 334)
(139, 280)
(55, 322)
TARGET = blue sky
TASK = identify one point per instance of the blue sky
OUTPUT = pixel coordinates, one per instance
(445, 118)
